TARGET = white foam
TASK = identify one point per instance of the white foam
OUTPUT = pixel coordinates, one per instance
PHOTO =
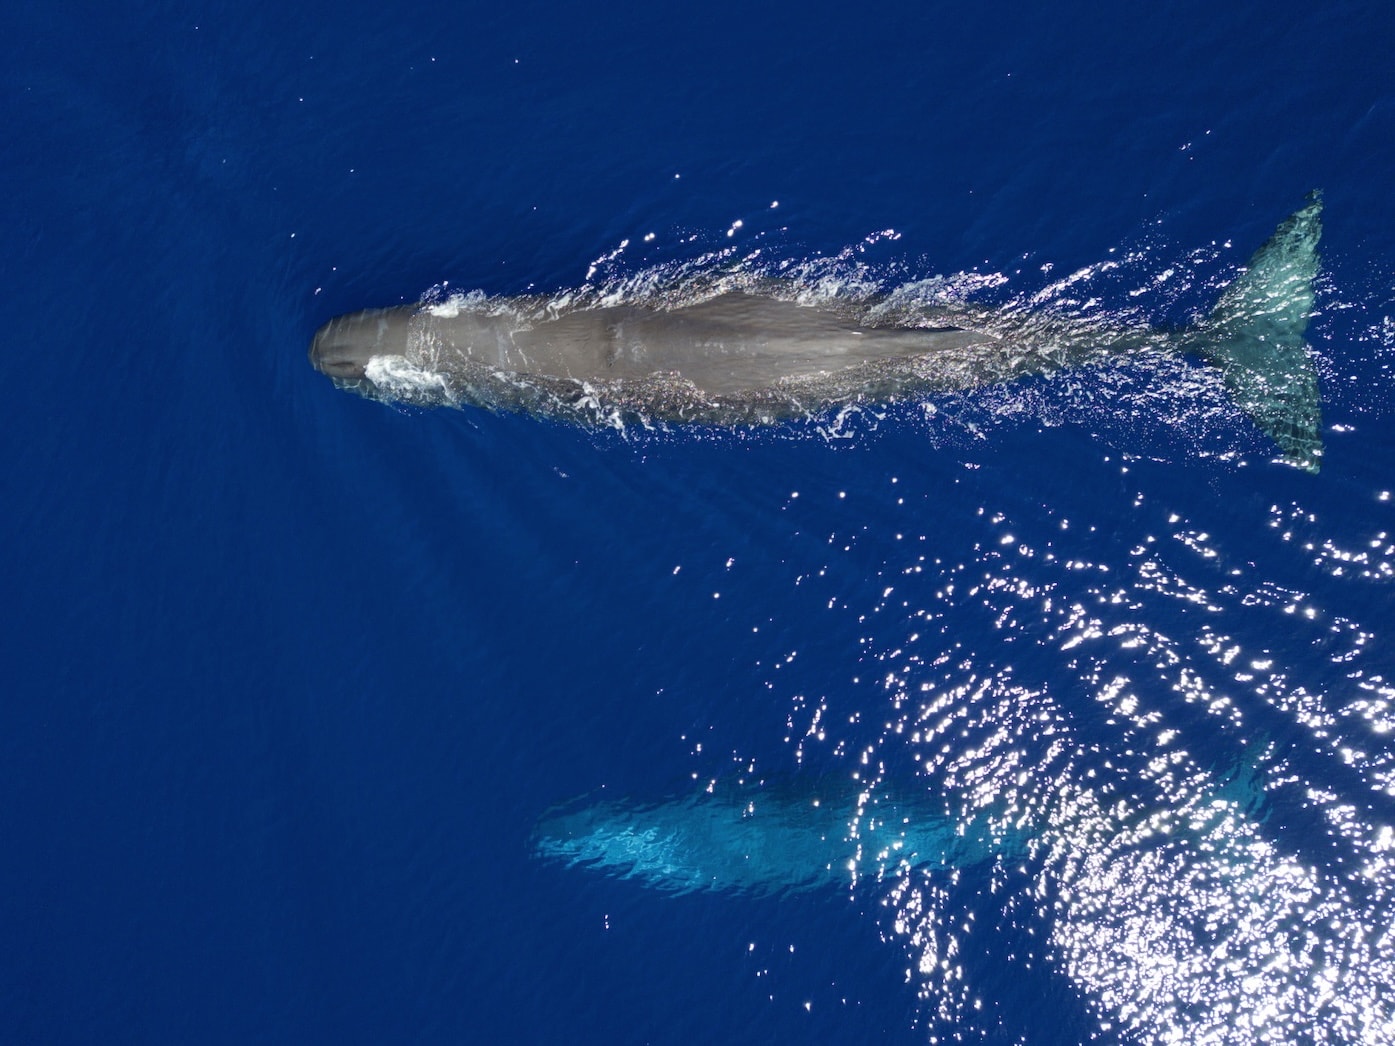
(453, 304)
(399, 378)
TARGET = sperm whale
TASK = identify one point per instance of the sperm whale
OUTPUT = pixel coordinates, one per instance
(759, 355)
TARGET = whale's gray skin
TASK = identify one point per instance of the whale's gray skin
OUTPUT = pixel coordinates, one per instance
(761, 840)
(731, 347)
(753, 355)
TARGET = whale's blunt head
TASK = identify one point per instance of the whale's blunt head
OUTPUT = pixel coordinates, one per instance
(342, 348)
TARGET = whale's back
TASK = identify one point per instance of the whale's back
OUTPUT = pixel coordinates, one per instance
(733, 345)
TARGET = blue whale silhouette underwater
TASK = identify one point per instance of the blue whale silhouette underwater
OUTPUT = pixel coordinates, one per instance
(709, 354)
(764, 840)
(800, 834)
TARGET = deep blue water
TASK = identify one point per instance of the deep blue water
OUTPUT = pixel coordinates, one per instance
(289, 676)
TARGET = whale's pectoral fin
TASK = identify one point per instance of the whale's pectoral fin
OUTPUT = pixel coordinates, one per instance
(1256, 336)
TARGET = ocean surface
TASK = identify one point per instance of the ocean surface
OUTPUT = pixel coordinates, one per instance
(289, 678)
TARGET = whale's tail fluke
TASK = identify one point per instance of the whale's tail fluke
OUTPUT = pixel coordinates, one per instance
(1256, 336)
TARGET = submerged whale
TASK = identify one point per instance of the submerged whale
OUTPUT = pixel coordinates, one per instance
(757, 355)
(773, 840)
(795, 835)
